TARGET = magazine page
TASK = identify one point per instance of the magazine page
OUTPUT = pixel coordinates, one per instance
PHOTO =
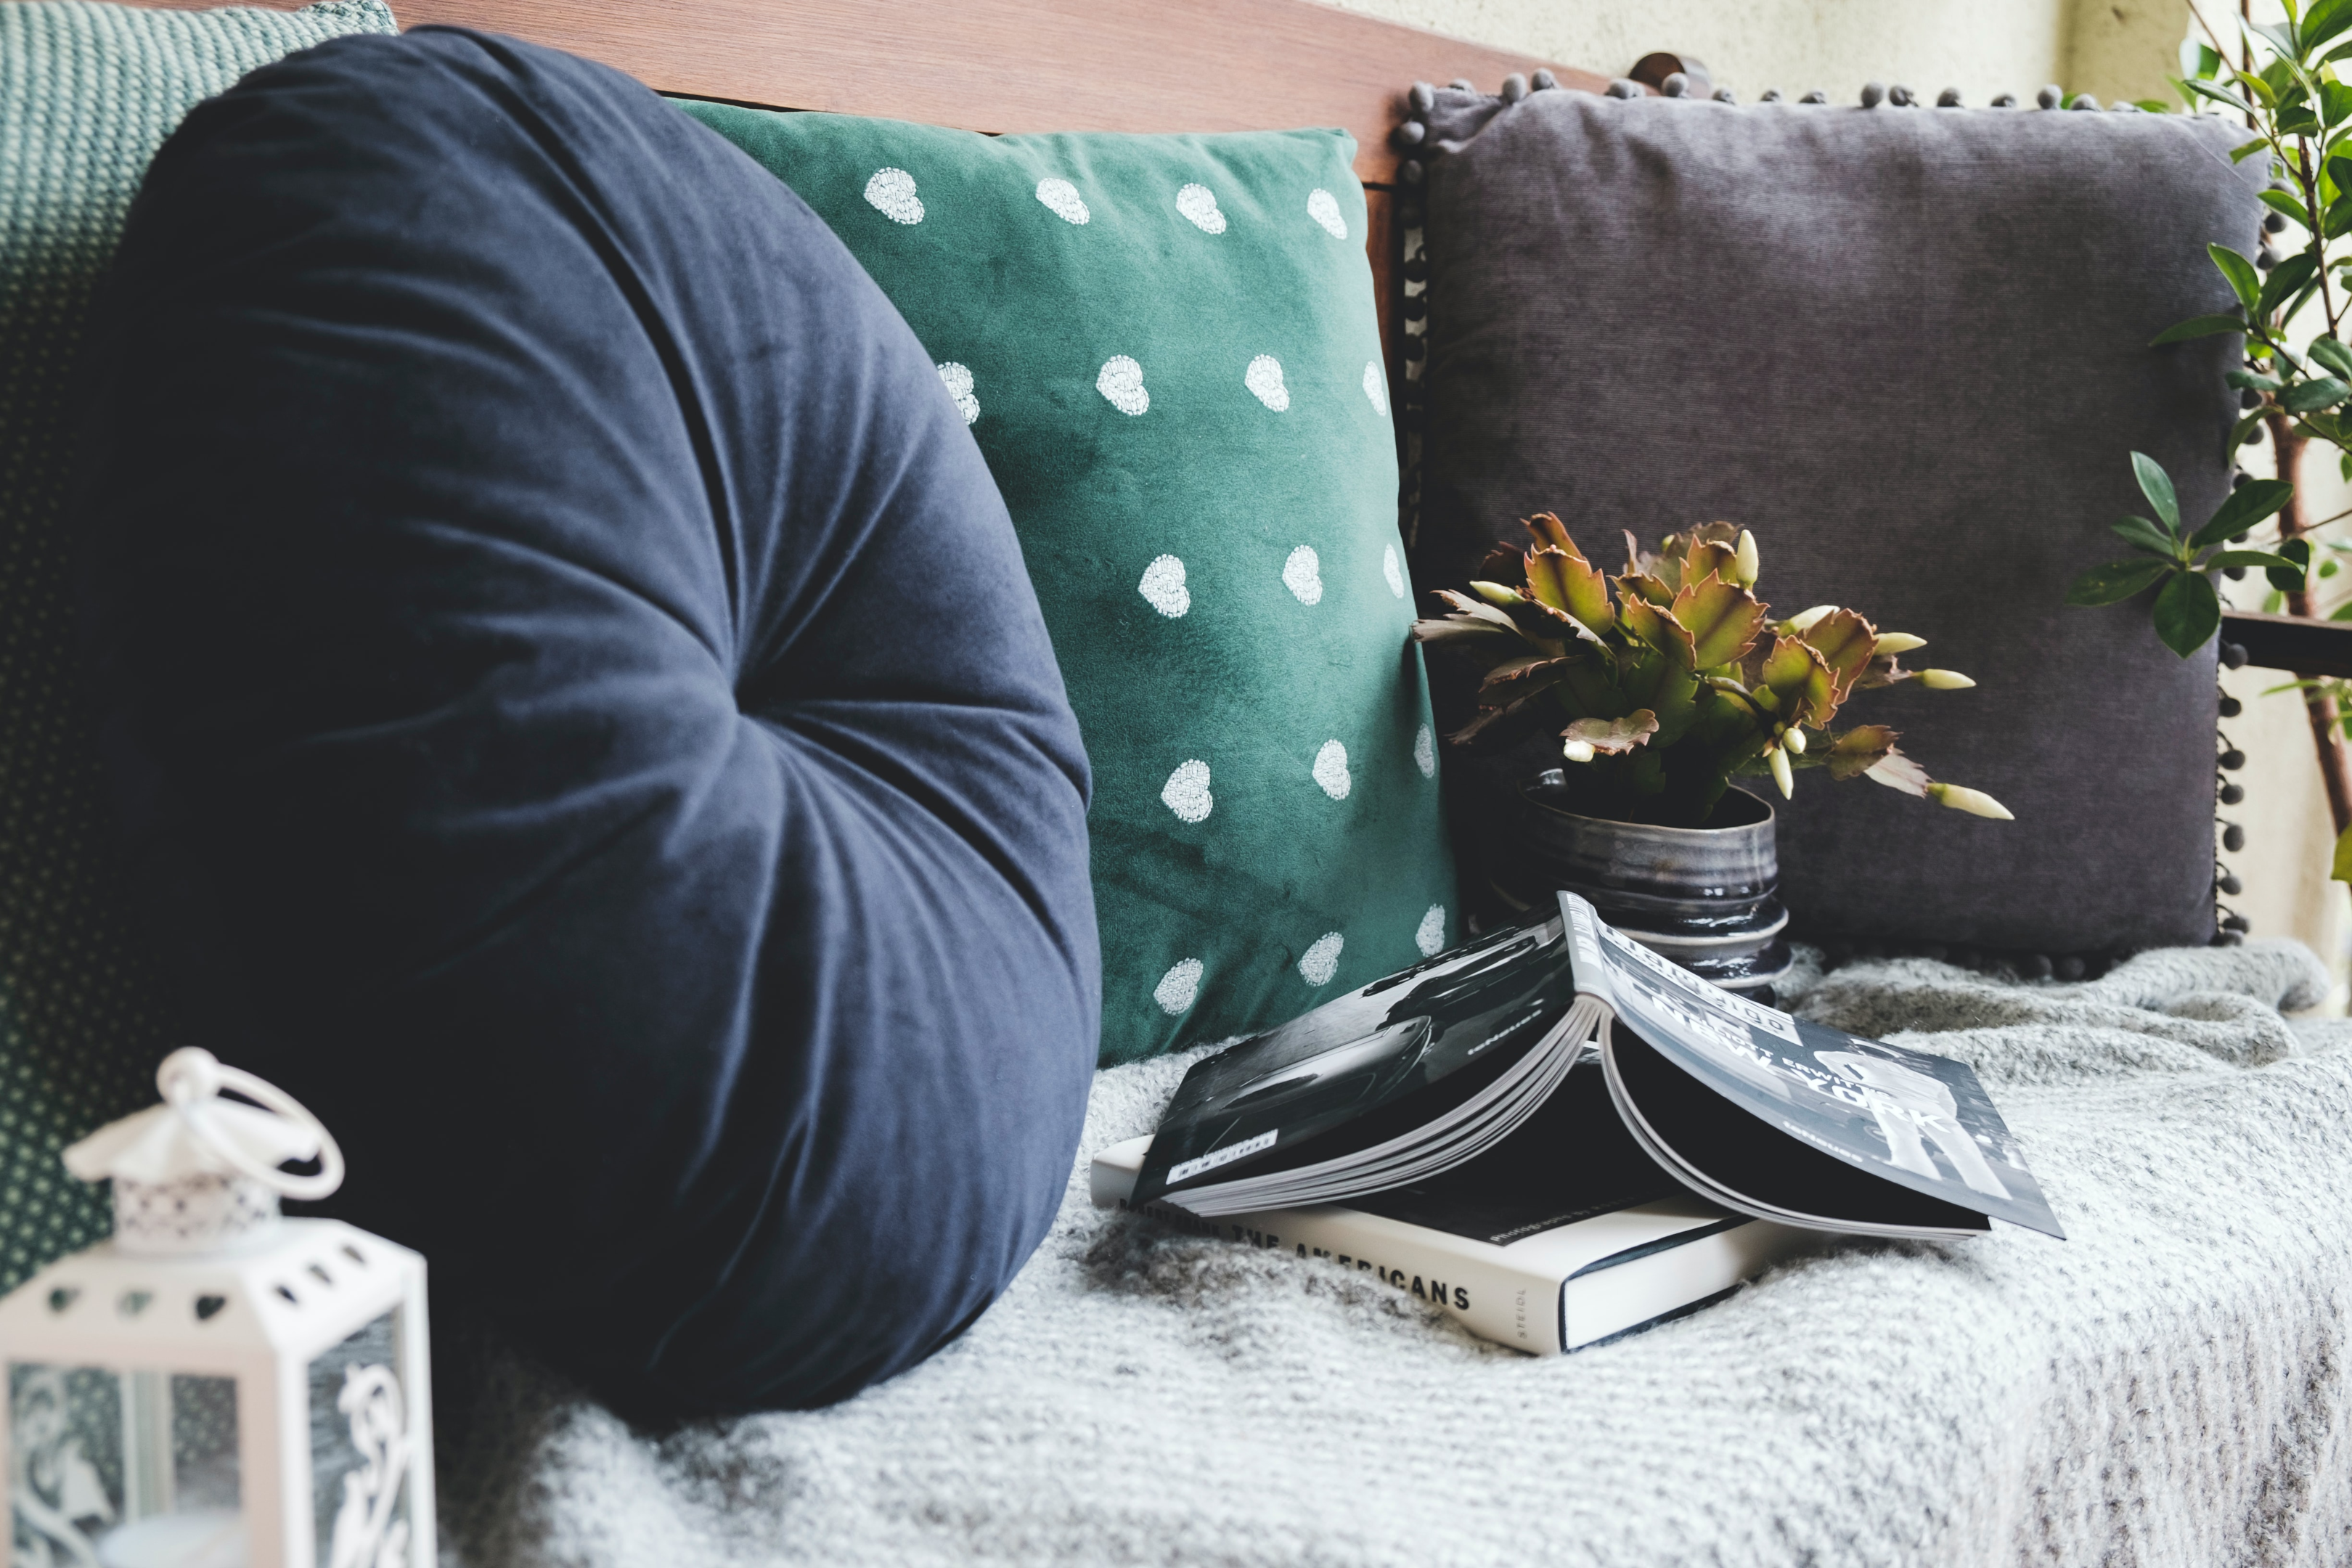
(1434, 1035)
(1919, 1120)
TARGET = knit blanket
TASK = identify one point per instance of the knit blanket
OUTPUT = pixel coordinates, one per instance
(2167, 1386)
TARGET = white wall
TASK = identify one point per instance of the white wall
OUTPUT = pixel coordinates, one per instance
(2109, 48)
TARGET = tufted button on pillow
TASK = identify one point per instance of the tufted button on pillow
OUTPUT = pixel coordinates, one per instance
(579, 719)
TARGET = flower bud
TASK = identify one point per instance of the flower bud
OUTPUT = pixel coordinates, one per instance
(1794, 739)
(1945, 680)
(1897, 642)
(1750, 566)
(1495, 593)
(1974, 802)
(1578, 751)
(1780, 774)
(1803, 621)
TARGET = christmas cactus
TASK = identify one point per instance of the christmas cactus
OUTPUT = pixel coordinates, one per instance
(1679, 680)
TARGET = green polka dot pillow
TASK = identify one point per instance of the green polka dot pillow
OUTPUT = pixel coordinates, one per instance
(1167, 349)
(87, 94)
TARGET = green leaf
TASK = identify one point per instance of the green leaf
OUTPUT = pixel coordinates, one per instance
(2280, 201)
(2245, 281)
(2187, 613)
(2290, 579)
(2320, 392)
(2207, 90)
(2328, 352)
(2335, 103)
(2239, 433)
(2200, 327)
(2280, 37)
(2248, 505)
(2273, 603)
(2246, 150)
(2156, 486)
(2262, 558)
(2323, 22)
(2247, 380)
(2340, 868)
(2117, 581)
(2205, 61)
(2142, 534)
(2291, 274)
(2151, 106)
(2341, 613)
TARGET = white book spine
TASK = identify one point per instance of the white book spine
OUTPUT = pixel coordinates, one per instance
(1471, 1279)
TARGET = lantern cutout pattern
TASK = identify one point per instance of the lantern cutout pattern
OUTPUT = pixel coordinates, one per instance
(219, 1386)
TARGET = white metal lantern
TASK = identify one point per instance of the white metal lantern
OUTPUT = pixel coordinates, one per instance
(218, 1386)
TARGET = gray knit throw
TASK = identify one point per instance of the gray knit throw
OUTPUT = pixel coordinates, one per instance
(2171, 1386)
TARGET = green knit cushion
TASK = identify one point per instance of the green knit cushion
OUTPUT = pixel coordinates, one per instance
(87, 94)
(1167, 349)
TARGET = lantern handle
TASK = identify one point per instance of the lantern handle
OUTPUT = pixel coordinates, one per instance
(191, 1075)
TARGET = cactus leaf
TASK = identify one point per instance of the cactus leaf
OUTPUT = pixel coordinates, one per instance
(1896, 771)
(1550, 532)
(1796, 674)
(1613, 737)
(1845, 642)
(1722, 617)
(1659, 630)
(1706, 560)
(1515, 678)
(1567, 582)
(1859, 750)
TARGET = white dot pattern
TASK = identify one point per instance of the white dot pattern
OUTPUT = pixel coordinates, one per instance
(1198, 205)
(1186, 793)
(1061, 199)
(891, 193)
(1163, 586)
(1264, 378)
(1179, 987)
(957, 379)
(1302, 574)
(1324, 208)
(1121, 381)
(1331, 770)
(1430, 936)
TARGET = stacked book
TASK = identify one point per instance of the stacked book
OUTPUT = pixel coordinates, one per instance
(1558, 1136)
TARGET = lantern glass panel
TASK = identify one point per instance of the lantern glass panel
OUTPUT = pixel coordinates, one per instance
(123, 1468)
(361, 1447)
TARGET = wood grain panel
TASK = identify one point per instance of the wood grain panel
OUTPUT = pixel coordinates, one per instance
(1018, 65)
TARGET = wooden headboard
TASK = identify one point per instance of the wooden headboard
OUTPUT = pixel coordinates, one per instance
(1002, 66)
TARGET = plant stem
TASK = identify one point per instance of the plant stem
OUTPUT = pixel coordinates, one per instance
(2319, 705)
(2309, 176)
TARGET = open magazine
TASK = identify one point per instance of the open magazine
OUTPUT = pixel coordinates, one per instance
(1763, 1113)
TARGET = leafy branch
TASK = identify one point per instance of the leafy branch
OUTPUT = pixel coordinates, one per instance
(2188, 611)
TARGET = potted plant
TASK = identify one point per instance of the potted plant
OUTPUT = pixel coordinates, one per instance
(1674, 680)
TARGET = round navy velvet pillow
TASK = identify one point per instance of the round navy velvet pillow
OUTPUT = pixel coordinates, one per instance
(579, 719)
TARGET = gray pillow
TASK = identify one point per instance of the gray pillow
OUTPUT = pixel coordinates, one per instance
(1909, 348)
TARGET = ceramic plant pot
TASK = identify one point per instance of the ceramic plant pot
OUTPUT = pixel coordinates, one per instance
(1707, 898)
